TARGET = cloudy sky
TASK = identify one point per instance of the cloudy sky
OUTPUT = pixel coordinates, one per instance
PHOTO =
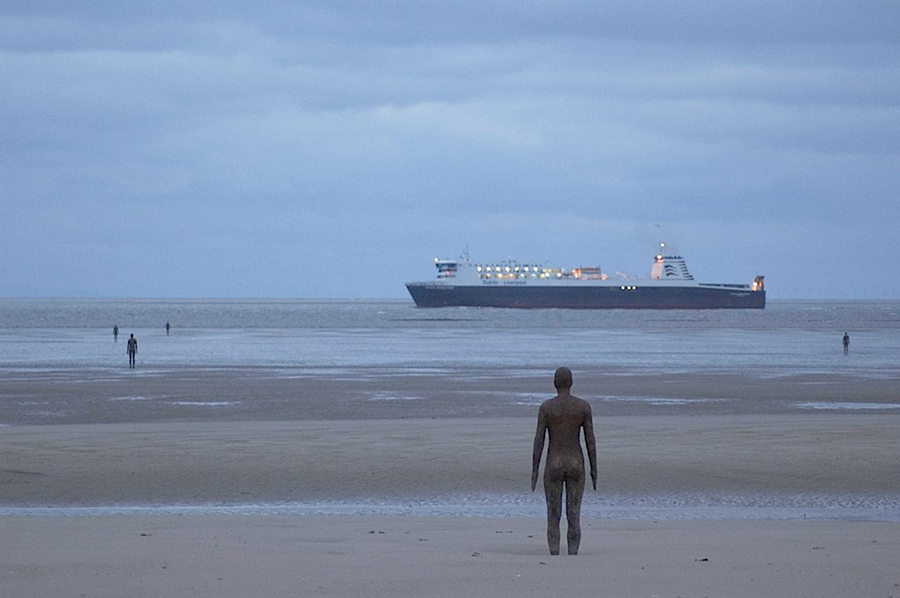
(333, 148)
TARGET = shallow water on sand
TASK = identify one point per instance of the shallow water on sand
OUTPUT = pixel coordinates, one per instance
(644, 508)
(392, 359)
(787, 338)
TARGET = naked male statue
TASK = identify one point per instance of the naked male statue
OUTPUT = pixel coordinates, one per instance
(563, 417)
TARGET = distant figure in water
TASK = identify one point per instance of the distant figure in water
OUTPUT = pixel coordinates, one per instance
(116, 333)
(846, 343)
(167, 328)
(132, 350)
(563, 418)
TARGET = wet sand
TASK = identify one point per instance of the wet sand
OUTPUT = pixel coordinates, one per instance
(772, 460)
(191, 393)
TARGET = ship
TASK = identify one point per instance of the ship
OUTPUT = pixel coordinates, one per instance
(511, 284)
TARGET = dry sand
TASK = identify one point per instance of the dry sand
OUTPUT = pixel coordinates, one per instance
(403, 556)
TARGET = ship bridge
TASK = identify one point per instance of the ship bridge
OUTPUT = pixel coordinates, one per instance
(446, 268)
(669, 267)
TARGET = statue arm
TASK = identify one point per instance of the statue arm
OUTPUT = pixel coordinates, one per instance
(538, 448)
(591, 444)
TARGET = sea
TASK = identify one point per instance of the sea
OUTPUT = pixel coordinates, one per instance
(46, 336)
(786, 338)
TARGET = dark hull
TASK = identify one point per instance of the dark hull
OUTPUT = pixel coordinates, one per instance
(587, 297)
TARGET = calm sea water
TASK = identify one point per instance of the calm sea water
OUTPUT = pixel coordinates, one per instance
(784, 339)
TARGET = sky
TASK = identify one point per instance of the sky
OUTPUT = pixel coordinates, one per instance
(333, 149)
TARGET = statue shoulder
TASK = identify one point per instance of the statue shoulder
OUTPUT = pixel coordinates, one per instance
(584, 405)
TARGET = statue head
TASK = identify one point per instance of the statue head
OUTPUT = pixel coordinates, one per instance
(563, 378)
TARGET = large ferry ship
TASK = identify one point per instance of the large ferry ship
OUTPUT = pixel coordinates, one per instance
(509, 283)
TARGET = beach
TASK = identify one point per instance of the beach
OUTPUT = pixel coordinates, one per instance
(689, 504)
(414, 556)
(371, 449)
(742, 465)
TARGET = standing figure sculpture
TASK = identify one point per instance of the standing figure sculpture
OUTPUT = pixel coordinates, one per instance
(563, 418)
(132, 350)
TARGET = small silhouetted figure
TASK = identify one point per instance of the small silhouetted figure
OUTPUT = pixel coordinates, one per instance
(116, 332)
(167, 328)
(846, 342)
(563, 418)
(132, 350)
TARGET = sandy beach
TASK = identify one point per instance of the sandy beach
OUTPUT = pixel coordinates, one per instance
(412, 556)
(792, 461)
(178, 486)
(111, 509)
(56, 395)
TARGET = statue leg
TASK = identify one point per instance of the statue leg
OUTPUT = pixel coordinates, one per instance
(574, 493)
(553, 491)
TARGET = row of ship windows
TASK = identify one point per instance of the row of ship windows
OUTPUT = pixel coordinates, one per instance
(512, 272)
(508, 269)
(501, 275)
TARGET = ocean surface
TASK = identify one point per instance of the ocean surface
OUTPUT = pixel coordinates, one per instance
(787, 338)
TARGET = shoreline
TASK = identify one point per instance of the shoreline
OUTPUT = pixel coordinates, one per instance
(663, 511)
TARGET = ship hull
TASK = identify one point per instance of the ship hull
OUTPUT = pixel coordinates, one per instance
(586, 297)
